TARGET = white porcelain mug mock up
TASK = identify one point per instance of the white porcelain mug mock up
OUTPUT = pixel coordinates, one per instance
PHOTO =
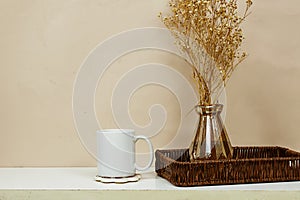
(116, 153)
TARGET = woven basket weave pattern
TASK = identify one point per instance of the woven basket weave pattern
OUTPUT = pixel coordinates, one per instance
(249, 165)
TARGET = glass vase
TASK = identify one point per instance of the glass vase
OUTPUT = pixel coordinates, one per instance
(211, 141)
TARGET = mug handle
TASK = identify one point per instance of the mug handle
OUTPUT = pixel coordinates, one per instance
(141, 137)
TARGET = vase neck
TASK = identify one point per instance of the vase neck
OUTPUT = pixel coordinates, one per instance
(209, 109)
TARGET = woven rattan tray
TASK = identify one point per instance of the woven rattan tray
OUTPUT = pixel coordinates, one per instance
(248, 165)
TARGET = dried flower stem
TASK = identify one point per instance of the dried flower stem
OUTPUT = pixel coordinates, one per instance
(208, 33)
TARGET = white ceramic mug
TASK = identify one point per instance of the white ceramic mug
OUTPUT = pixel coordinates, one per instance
(116, 153)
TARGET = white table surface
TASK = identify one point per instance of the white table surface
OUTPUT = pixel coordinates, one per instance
(83, 179)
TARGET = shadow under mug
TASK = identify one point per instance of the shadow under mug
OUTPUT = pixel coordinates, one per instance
(116, 153)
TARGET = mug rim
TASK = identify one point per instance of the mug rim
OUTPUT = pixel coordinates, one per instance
(121, 130)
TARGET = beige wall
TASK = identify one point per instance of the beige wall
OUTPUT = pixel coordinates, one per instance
(43, 44)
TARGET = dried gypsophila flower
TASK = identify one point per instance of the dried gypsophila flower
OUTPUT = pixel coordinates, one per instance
(208, 33)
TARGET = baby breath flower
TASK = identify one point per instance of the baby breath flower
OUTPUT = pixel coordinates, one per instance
(208, 33)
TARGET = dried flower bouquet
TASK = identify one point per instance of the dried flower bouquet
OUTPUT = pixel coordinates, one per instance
(209, 34)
